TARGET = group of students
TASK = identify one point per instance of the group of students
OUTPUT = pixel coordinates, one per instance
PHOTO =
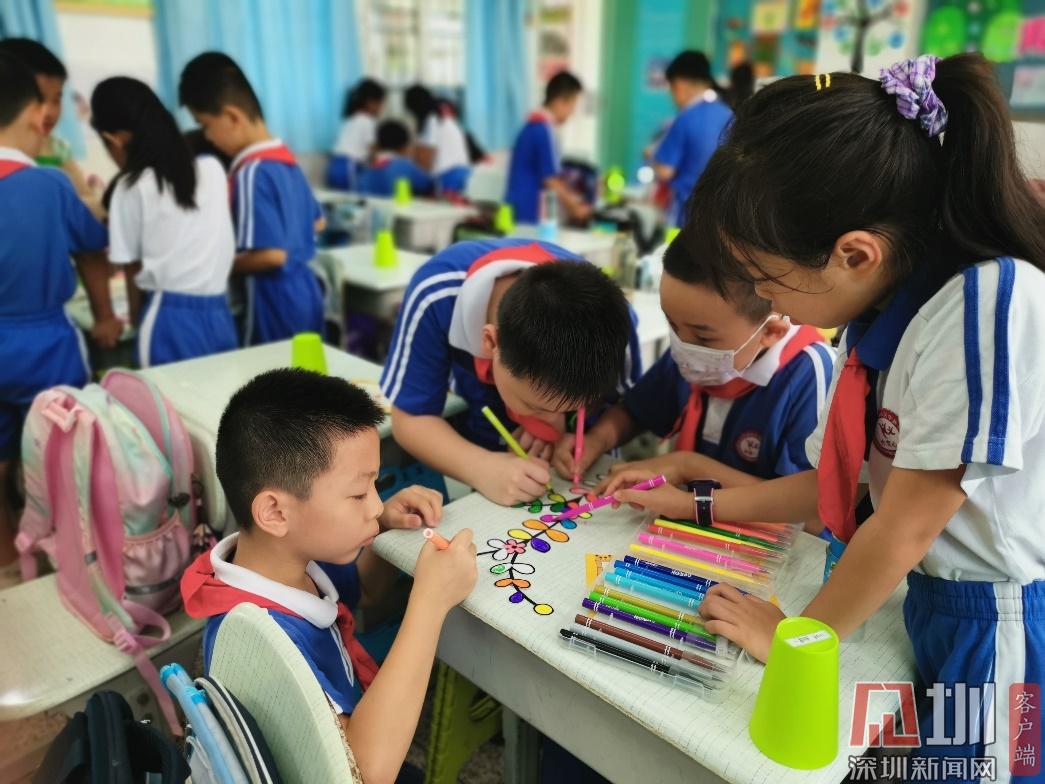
(369, 155)
(834, 200)
(893, 206)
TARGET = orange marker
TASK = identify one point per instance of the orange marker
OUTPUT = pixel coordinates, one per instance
(440, 542)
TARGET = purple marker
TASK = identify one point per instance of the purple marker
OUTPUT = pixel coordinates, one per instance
(653, 626)
(606, 500)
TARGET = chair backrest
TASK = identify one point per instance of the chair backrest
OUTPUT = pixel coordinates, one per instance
(257, 662)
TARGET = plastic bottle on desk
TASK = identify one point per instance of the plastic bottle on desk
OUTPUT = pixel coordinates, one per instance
(548, 228)
(625, 254)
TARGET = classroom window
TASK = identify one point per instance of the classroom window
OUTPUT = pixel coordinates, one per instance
(414, 41)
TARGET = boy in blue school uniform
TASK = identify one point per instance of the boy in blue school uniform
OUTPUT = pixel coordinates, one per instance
(297, 455)
(391, 163)
(535, 164)
(273, 208)
(741, 387)
(42, 224)
(696, 131)
(523, 327)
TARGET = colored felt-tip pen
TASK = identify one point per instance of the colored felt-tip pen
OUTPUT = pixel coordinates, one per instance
(606, 500)
(440, 542)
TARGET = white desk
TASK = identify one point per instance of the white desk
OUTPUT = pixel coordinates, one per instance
(653, 325)
(365, 287)
(625, 726)
(199, 390)
(595, 246)
(49, 658)
(423, 225)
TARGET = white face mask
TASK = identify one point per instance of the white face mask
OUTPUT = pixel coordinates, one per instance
(709, 367)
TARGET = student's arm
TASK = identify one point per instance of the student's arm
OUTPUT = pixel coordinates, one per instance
(575, 206)
(669, 152)
(424, 156)
(381, 728)
(248, 261)
(134, 294)
(500, 476)
(94, 269)
(678, 468)
(914, 509)
(663, 172)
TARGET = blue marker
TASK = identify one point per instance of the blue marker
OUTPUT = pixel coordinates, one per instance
(632, 570)
(650, 566)
(690, 600)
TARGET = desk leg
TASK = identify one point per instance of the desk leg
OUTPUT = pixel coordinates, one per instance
(522, 750)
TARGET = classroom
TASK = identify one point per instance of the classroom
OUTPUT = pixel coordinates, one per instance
(524, 391)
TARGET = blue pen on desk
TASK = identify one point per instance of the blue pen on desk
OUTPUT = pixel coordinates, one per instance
(650, 566)
(635, 571)
(690, 600)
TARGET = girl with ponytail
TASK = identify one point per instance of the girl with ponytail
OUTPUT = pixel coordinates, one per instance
(169, 222)
(897, 207)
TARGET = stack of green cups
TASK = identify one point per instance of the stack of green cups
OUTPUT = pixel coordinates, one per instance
(504, 220)
(307, 353)
(795, 721)
(385, 249)
(403, 192)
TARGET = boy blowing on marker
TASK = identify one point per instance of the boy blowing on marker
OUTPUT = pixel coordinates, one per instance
(741, 387)
(297, 456)
(526, 328)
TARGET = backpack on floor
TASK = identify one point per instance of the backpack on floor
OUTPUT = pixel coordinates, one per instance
(109, 499)
(103, 744)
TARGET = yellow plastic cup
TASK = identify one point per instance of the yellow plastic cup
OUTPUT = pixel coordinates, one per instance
(795, 721)
(504, 220)
(671, 234)
(307, 352)
(385, 249)
(403, 192)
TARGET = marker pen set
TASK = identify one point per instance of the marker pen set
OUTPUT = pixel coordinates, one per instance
(645, 610)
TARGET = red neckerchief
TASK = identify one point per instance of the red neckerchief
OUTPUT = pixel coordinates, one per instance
(539, 116)
(483, 366)
(7, 167)
(689, 420)
(205, 596)
(381, 161)
(279, 154)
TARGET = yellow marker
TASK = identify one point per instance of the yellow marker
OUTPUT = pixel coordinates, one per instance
(514, 445)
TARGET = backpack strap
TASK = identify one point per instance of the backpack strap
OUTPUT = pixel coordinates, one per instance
(130, 644)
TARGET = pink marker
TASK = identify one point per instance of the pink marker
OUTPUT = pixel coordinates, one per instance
(606, 500)
(440, 542)
(739, 564)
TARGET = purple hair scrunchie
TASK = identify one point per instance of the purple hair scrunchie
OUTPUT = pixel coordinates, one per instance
(911, 81)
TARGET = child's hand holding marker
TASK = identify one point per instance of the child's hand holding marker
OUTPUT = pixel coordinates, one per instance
(665, 500)
(446, 570)
(563, 459)
(676, 467)
(413, 507)
(506, 480)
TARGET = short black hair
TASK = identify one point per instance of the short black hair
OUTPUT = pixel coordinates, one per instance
(690, 65)
(18, 88)
(35, 56)
(213, 80)
(739, 293)
(281, 431)
(564, 326)
(562, 85)
(392, 135)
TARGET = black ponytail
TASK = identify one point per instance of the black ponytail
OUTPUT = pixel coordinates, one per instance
(421, 104)
(810, 158)
(365, 91)
(125, 104)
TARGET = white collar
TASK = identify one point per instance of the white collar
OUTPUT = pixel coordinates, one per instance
(250, 149)
(319, 611)
(469, 316)
(11, 154)
(762, 369)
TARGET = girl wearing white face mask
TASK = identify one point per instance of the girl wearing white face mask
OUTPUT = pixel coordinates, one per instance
(740, 388)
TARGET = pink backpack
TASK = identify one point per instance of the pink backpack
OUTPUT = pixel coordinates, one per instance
(109, 499)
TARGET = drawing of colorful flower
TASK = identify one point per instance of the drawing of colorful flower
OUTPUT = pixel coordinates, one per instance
(503, 549)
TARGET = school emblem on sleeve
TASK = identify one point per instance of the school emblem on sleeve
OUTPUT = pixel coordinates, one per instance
(748, 445)
(887, 432)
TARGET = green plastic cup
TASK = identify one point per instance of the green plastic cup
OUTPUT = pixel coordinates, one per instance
(795, 721)
(504, 220)
(404, 194)
(385, 249)
(671, 234)
(307, 353)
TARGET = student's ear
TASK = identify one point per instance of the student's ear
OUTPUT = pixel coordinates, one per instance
(774, 330)
(861, 253)
(269, 513)
(489, 344)
(35, 113)
(235, 116)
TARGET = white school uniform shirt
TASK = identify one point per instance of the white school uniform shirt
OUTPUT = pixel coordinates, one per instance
(357, 136)
(186, 251)
(445, 136)
(967, 387)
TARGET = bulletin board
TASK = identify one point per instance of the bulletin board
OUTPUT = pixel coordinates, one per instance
(1011, 33)
(778, 37)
